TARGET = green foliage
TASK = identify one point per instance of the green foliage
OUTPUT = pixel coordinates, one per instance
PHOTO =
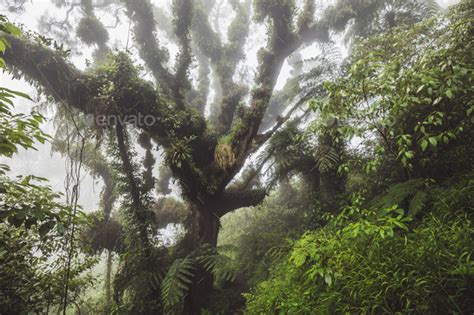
(179, 152)
(259, 236)
(33, 224)
(137, 281)
(292, 150)
(16, 130)
(33, 270)
(371, 17)
(326, 158)
(375, 262)
(412, 89)
(404, 243)
(26, 204)
(222, 267)
(399, 193)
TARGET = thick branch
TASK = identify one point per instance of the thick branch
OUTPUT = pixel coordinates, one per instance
(108, 196)
(138, 209)
(128, 169)
(91, 31)
(198, 98)
(224, 58)
(262, 138)
(141, 13)
(235, 199)
(131, 97)
(306, 17)
(183, 16)
(282, 43)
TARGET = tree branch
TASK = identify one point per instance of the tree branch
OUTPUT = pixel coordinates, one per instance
(233, 199)
(262, 138)
(131, 97)
(224, 58)
(183, 12)
(141, 12)
(282, 42)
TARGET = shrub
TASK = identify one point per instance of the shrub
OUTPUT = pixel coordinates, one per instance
(368, 261)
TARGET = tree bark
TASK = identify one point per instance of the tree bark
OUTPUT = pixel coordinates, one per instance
(107, 284)
(204, 231)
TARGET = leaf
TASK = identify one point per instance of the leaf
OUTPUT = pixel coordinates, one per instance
(12, 29)
(449, 94)
(424, 144)
(45, 228)
(176, 281)
(328, 279)
(17, 93)
(417, 203)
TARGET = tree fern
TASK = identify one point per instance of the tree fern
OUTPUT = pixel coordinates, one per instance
(430, 8)
(222, 267)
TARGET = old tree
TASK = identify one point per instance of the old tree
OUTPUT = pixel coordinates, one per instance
(208, 122)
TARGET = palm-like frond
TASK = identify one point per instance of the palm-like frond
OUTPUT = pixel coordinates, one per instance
(399, 193)
(278, 252)
(179, 277)
(326, 158)
(417, 202)
(220, 265)
(177, 281)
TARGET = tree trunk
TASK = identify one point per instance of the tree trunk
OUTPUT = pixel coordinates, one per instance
(205, 231)
(107, 284)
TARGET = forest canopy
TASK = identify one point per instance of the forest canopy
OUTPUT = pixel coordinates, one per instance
(254, 157)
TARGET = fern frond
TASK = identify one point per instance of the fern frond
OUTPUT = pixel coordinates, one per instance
(177, 281)
(227, 248)
(417, 203)
(398, 193)
(326, 158)
(430, 8)
(278, 252)
(220, 265)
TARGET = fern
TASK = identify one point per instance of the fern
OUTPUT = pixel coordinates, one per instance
(417, 203)
(227, 248)
(326, 158)
(177, 281)
(278, 252)
(221, 266)
(179, 277)
(430, 8)
(154, 280)
(399, 193)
